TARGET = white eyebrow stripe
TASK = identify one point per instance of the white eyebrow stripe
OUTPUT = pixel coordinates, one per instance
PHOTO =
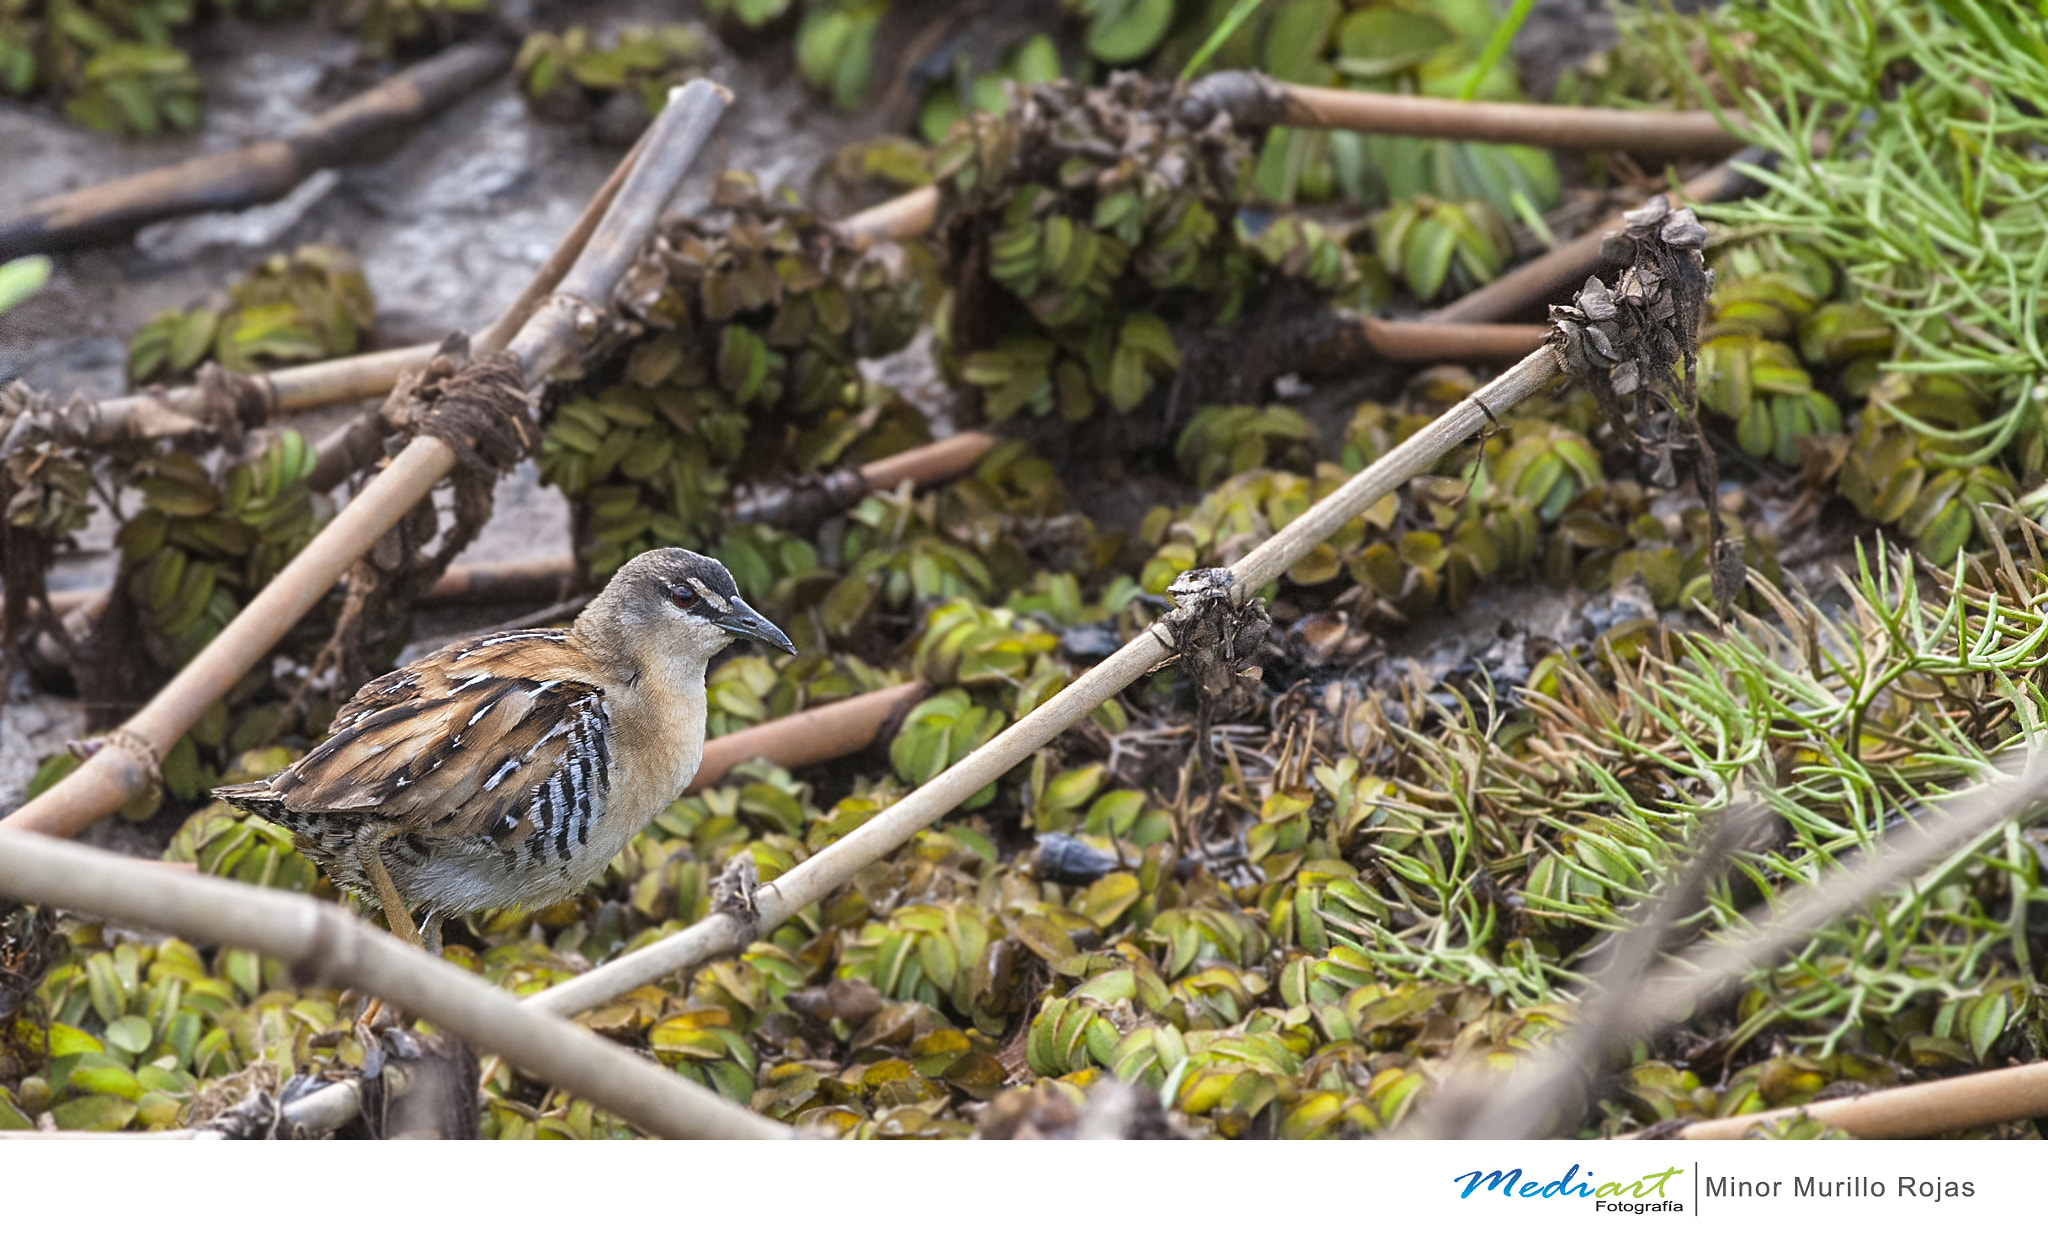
(717, 601)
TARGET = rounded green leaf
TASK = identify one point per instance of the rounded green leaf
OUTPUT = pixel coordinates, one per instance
(1128, 31)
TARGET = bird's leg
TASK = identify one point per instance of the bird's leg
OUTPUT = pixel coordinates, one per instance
(430, 933)
(396, 915)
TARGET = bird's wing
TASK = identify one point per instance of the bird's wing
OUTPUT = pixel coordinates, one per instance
(465, 742)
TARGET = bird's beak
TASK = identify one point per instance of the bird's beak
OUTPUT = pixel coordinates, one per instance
(747, 623)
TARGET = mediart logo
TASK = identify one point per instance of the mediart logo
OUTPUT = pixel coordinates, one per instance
(1643, 1194)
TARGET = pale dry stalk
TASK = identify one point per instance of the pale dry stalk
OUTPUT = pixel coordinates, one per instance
(326, 945)
(1917, 1112)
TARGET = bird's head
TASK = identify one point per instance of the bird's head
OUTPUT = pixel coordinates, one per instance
(676, 604)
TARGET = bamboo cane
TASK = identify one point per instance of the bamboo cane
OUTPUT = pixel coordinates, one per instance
(176, 412)
(1536, 282)
(261, 172)
(513, 582)
(360, 442)
(1429, 341)
(913, 214)
(825, 872)
(1256, 99)
(808, 737)
(121, 770)
(1919, 1111)
(552, 271)
(326, 944)
(1662, 134)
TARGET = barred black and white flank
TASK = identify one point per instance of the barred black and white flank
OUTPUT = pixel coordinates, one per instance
(508, 770)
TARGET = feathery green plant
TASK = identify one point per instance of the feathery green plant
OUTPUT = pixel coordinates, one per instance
(1909, 155)
(1515, 831)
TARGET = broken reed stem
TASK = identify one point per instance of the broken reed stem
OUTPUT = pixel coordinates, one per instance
(513, 582)
(928, 465)
(1916, 1112)
(255, 173)
(907, 217)
(1663, 134)
(832, 868)
(1537, 281)
(563, 259)
(119, 771)
(1431, 342)
(173, 413)
(1252, 98)
(809, 737)
(359, 442)
(327, 946)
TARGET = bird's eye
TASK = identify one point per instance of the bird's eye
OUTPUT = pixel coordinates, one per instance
(684, 597)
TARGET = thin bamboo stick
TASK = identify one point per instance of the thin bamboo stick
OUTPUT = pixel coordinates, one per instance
(1918, 1111)
(539, 579)
(173, 413)
(1663, 134)
(812, 499)
(825, 872)
(542, 579)
(1536, 282)
(119, 771)
(907, 217)
(809, 737)
(1429, 342)
(929, 465)
(356, 444)
(552, 271)
(256, 173)
(1252, 98)
(325, 944)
